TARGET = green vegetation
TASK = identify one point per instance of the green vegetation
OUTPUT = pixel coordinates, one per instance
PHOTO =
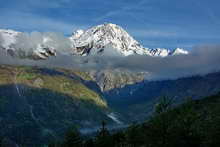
(52, 79)
(83, 75)
(3, 102)
(196, 123)
(37, 105)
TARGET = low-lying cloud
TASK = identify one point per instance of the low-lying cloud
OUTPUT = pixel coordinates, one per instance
(29, 42)
(201, 60)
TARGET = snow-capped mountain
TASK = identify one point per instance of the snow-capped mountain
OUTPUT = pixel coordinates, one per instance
(159, 52)
(105, 39)
(8, 37)
(106, 36)
(179, 51)
(43, 52)
(76, 34)
(8, 42)
(109, 37)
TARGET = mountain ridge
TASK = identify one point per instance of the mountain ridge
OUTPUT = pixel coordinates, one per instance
(98, 37)
(104, 39)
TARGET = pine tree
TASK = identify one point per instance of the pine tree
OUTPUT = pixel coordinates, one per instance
(104, 139)
(89, 143)
(72, 138)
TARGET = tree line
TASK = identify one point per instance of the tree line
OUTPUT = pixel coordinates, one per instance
(196, 123)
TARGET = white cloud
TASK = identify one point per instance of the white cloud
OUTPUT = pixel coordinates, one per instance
(202, 60)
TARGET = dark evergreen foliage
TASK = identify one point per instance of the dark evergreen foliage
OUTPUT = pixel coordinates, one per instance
(72, 139)
(196, 123)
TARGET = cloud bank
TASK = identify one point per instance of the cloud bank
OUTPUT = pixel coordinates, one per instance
(201, 60)
(29, 42)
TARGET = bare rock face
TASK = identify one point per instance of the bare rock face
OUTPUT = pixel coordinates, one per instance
(38, 82)
(111, 79)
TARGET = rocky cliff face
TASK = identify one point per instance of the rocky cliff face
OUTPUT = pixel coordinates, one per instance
(112, 79)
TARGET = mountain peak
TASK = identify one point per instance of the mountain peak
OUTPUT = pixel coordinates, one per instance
(109, 38)
(76, 34)
(104, 37)
(179, 51)
(109, 24)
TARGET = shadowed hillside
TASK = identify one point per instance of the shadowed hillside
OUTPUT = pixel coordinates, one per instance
(38, 113)
(140, 98)
(195, 123)
(38, 104)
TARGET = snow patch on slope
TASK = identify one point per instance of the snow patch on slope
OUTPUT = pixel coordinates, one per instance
(94, 41)
(180, 51)
(8, 38)
(111, 37)
(113, 116)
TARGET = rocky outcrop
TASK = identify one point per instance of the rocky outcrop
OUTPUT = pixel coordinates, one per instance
(112, 79)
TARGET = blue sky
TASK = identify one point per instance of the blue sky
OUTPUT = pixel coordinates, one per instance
(154, 23)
